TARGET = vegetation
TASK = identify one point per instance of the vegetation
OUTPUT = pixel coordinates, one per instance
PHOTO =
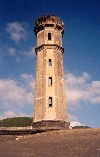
(16, 122)
(81, 127)
(24, 122)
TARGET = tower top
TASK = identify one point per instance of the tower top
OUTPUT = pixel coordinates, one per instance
(48, 21)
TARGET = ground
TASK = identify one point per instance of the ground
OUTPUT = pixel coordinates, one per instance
(63, 143)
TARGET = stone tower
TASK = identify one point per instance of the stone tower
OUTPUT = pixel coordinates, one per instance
(50, 96)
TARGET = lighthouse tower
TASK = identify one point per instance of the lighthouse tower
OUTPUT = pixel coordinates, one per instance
(50, 95)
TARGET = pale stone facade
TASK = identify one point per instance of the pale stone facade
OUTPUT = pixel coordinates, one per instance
(50, 95)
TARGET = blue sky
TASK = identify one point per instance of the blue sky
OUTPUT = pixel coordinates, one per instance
(81, 42)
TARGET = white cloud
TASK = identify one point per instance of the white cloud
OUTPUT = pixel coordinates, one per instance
(81, 88)
(29, 80)
(27, 76)
(0, 37)
(17, 31)
(12, 51)
(75, 123)
(30, 53)
(16, 95)
(9, 114)
(72, 117)
(1, 55)
(0, 51)
(18, 59)
(18, 54)
(10, 91)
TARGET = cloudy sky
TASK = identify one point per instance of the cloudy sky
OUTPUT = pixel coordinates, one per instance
(81, 42)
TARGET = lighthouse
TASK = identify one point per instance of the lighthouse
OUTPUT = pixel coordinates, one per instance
(50, 107)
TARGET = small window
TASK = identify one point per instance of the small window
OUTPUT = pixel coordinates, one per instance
(49, 36)
(49, 25)
(50, 81)
(50, 101)
(50, 62)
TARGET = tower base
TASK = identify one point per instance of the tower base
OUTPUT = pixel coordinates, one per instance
(50, 125)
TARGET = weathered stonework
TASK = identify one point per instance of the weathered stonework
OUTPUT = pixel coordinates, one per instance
(51, 125)
(49, 31)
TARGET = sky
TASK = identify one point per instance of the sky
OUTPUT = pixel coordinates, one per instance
(81, 42)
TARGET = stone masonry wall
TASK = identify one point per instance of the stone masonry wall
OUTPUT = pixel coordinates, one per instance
(49, 50)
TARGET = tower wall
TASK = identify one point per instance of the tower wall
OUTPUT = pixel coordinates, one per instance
(45, 91)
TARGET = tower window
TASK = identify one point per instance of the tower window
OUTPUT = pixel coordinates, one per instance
(50, 101)
(50, 62)
(50, 81)
(49, 36)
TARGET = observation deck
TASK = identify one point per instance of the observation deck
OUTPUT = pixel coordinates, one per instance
(48, 21)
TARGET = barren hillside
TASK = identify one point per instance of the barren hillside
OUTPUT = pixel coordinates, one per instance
(63, 143)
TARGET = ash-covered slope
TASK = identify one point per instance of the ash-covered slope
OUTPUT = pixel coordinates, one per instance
(63, 143)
